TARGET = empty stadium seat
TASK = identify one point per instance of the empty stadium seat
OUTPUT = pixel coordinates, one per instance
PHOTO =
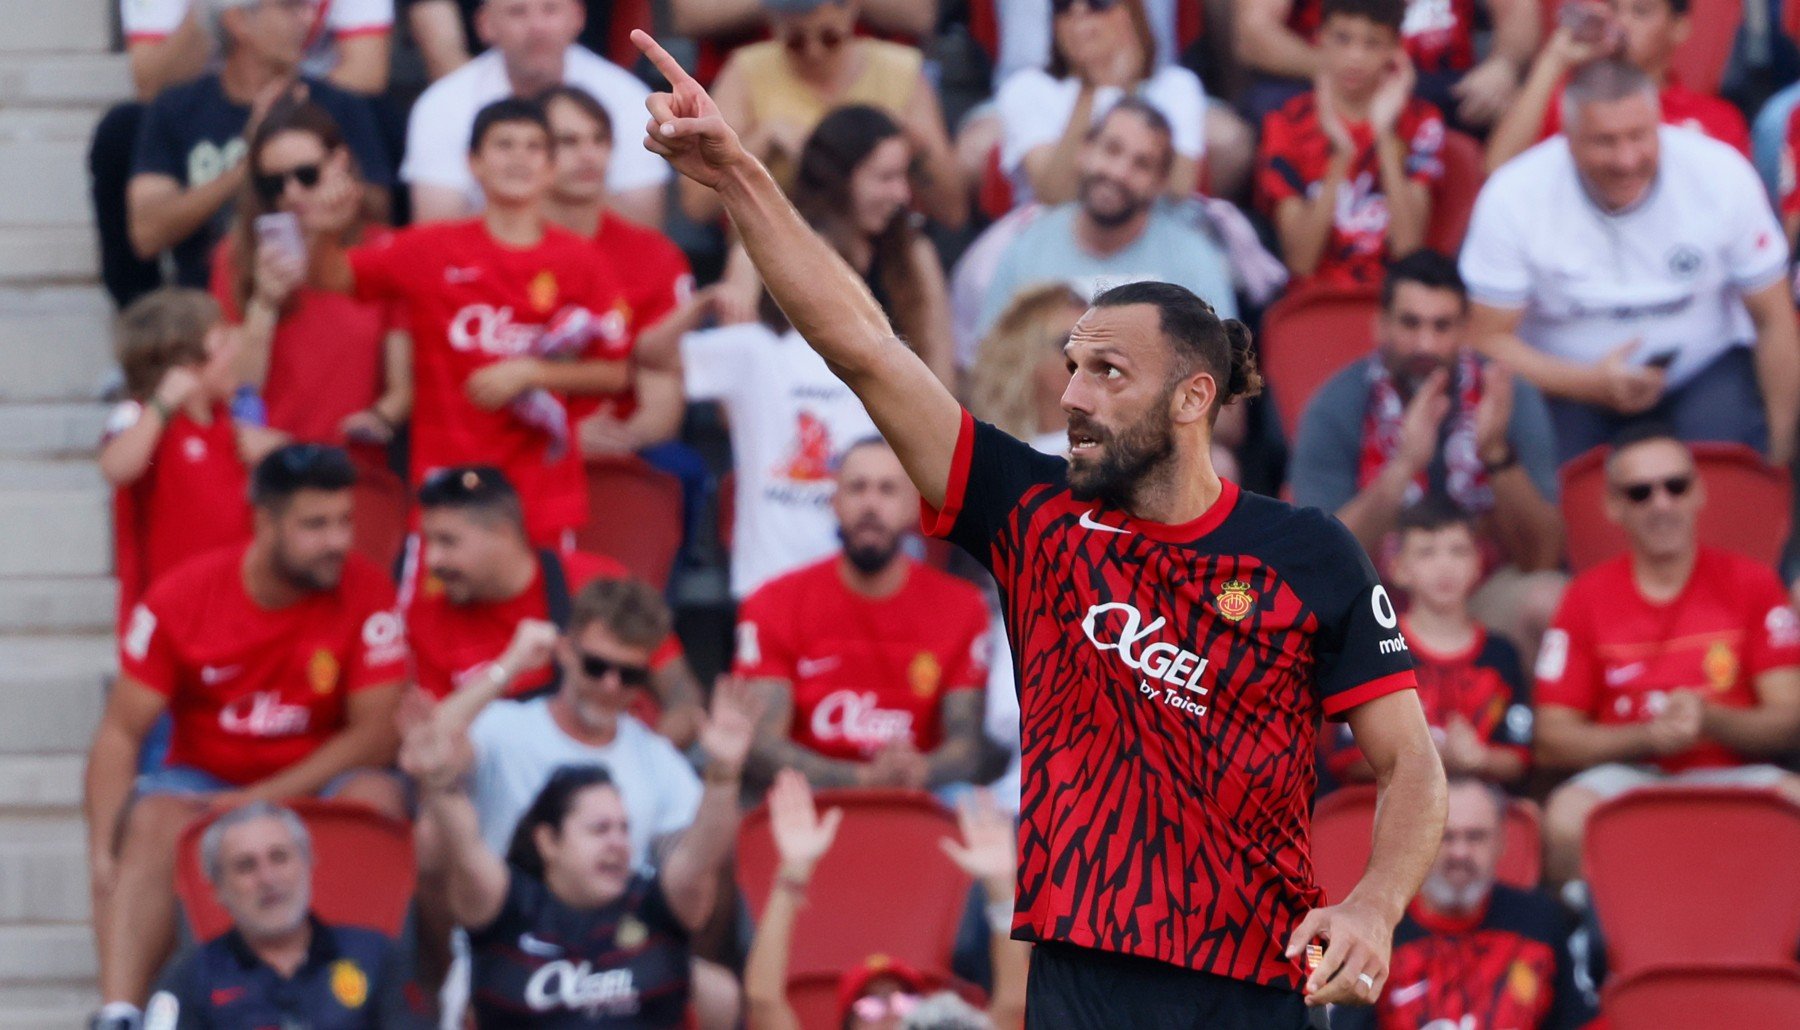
(1453, 200)
(634, 515)
(1307, 336)
(1695, 875)
(1741, 999)
(362, 872)
(1699, 62)
(885, 885)
(1344, 825)
(383, 512)
(1737, 481)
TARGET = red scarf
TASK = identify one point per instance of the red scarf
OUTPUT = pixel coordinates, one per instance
(1465, 481)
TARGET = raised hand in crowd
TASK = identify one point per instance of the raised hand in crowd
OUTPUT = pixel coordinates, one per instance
(730, 725)
(988, 852)
(802, 835)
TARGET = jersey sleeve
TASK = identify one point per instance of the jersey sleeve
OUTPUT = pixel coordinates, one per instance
(1773, 628)
(360, 17)
(763, 645)
(146, 653)
(989, 474)
(1788, 180)
(1757, 253)
(1567, 672)
(378, 657)
(150, 21)
(1360, 651)
(1493, 260)
(382, 269)
(159, 149)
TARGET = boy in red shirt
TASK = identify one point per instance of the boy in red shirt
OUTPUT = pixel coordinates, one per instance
(1675, 661)
(510, 316)
(1346, 169)
(173, 454)
(1470, 682)
(281, 662)
(481, 583)
(876, 663)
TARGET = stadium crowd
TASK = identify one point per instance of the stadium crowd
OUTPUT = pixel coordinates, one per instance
(439, 396)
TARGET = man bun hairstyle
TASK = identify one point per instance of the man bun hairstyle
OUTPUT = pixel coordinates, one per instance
(1200, 338)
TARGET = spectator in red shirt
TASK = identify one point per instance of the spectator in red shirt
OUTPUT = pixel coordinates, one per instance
(510, 316)
(1346, 170)
(875, 662)
(1279, 40)
(281, 661)
(329, 367)
(1470, 681)
(174, 456)
(1645, 34)
(1676, 662)
(482, 580)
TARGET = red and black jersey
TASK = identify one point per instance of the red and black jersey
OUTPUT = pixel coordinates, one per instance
(1507, 965)
(1171, 681)
(1483, 683)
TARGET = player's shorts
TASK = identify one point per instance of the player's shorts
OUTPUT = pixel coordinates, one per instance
(1615, 778)
(1075, 988)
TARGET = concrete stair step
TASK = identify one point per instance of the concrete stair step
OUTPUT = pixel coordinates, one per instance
(43, 181)
(58, 604)
(36, 788)
(47, 1006)
(49, 124)
(48, 254)
(63, 79)
(55, 952)
(79, 473)
(55, 341)
(43, 870)
(52, 689)
(52, 429)
(35, 26)
(55, 533)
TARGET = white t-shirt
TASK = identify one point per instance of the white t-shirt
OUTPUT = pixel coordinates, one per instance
(146, 21)
(790, 420)
(518, 745)
(1035, 108)
(437, 134)
(1671, 271)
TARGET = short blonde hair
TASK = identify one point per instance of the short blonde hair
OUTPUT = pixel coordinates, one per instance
(163, 329)
(631, 610)
(1001, 384)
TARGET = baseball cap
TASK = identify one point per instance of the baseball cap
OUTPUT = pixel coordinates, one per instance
(855, 982)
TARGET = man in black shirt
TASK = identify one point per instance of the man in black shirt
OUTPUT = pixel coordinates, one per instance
(279, 965)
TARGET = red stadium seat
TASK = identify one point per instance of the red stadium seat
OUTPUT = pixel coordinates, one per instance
(362, 872)
(383, 509)
(1742, 999)
(995, 194)
(885, 886)
(1699, 62)
(1695, 875)
(1344, 823)
(1307, 336)
(634, 514)
(1738, 481)
(1454, 198)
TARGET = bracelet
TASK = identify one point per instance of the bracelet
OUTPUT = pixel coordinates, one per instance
(1496, 467)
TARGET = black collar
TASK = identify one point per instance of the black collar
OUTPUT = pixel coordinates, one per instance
(320, 950)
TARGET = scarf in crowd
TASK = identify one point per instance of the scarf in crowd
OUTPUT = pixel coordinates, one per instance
(1465, 481)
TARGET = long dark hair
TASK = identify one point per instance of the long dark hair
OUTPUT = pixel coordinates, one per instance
(1140, 27)
(838, 146)
(551, 806)
(285, 116)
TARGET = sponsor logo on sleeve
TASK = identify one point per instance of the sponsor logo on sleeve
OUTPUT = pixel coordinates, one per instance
(139, 632)
(1553, 654)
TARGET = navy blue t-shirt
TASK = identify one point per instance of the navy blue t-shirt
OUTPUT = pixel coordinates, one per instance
(193, 133)
(350, 980)
(544, 965)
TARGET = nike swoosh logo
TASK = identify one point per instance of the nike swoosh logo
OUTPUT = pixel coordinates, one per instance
(461, 275)
(211, 674)
(532, 945)
(1409, 994)
(1087, 522)
(814, 666)
(1623, 674)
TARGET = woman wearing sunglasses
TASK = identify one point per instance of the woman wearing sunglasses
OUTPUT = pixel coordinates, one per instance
(775, 92)
(566, 930)
(330, 368)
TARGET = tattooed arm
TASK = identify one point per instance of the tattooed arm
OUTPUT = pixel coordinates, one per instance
(954, 760)
(775, 749)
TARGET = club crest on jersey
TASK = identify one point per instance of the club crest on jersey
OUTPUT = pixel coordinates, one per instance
(924, 674)
(1235, 602)
(1720, 665)
(1522, 983)
(322, 671)
(542, 292)
(632, 934)
(349, 984)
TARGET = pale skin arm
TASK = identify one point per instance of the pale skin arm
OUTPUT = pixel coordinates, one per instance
(824, 299)
(660, 407)
(1409, 823)
(1409, 202)
(932, 341)
(953, 760)
(802, 837)
(127, 455)
(438, 758)
(1609, 383)
(362, 63)
(678, 691)
(1767, 730)
(1777, 365)
(1529, 527)
(396, 400)
(1519, 128)
(496, 385)
(1265, 43)
(1568, 739)
(178, 57)
(988, 852)
(1051, 169)
(131, 709)
(160, 214)
(938, 176)
(690, 874)
(437, 29)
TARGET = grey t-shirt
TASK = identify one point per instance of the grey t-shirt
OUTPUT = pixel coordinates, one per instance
(1323, 468)
(1171, 250)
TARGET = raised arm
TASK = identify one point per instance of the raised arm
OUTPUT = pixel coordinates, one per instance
(823, 298)
(802, 838)
(438, 759)
(690, 875)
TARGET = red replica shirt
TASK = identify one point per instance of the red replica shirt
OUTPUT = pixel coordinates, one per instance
(655, 278)
(193, 498)
(1171, 681)
(1788, 188)
(865, 673)
(1614, 656)
(1482, 683)
(1292, 164)
(471, 303)
(1681, 107)
(1439, 34)
(452, 642)
(253, 691)
(326, 360)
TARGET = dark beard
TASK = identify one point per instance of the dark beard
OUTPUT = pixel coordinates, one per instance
(316, 578)
(1128, 458)
(869, 559)
(1106, 219)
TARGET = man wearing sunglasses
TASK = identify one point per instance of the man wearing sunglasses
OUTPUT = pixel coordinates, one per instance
(1675, 662)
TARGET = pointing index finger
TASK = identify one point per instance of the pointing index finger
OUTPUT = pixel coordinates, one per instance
(664, 61)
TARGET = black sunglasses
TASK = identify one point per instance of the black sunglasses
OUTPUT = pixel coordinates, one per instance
(597, 667)
(1638, 493)
(1061, 7)
(271, 186)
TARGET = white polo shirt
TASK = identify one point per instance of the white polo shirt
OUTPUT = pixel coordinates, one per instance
(437, 134)
(1671, 271)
